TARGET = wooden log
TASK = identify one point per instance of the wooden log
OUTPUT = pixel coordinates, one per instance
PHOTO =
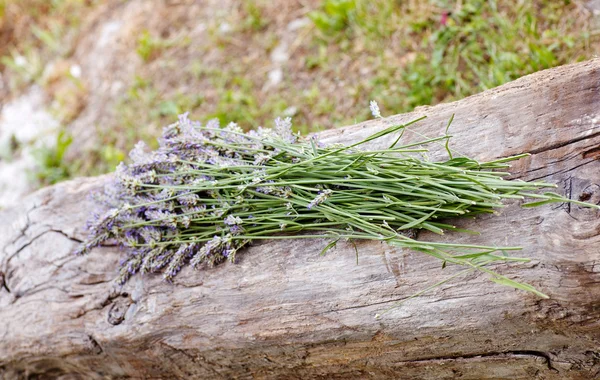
(284, 311)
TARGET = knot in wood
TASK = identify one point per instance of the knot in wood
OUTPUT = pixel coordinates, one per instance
(117, 311)
(584, 190)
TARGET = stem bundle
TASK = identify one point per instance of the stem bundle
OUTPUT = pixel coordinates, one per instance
(208, 191)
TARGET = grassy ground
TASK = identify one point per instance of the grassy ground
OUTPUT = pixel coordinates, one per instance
(35, 32)
(317, 61)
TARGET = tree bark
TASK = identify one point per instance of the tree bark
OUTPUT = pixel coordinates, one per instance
(284, 311)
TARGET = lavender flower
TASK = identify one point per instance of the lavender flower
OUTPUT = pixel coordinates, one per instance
(188, 199)
(138, 154)
(92, 242)
(184, 221)
(158, 195)
(165, 218)
(156, 259)
(213, 124)
(236, 229)
(320, 198)
(283, 128)
(261, 159)
(150, 259)
(375, 109)
(233, 220)
(104, 223)
(210, 253)
(195, 212)
(129, 267)
(150, 234)
(179, 259)
(284, 192)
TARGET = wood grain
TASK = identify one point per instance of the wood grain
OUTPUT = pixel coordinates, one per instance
(285, 312)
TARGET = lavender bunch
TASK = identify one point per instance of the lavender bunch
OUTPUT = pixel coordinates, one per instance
(207, 191)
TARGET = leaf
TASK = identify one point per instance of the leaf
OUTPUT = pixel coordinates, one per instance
(482, 254)
(314, 147)
(350, 164)
(540, 203)
(329, 246)
(398, 138)
(355, 249)
(447, 146)
(518, 285)
(417, 221)
(461, 162)
(372, 169)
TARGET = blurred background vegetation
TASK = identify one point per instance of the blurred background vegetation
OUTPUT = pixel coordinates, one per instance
(116, 71)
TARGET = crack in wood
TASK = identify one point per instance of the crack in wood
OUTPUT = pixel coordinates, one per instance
(22, 231)
(3, 283)
(200, 360)
(112, 295)
(538, 354)
(561, 171)
(95, 347)
(4, 276)
(20, 249)
(592, 153)
(38, 289)
(564, 143)
(67, 236)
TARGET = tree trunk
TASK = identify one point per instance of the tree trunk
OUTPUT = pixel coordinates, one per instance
(284, 311)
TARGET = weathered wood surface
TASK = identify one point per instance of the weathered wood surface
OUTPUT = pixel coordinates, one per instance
(286, 312)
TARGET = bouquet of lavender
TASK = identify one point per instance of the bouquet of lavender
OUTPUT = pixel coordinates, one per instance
(208, 191)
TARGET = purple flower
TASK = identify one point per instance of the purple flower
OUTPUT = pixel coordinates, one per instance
(179, 259)
(375, 109)
(320, 198)
(165, 218)
(138, 154)
(209, 252)
(188, 199)
(157, 199)
(233, 220)
(261, 159)
(283, 128)
(236, 229)
(195, 212)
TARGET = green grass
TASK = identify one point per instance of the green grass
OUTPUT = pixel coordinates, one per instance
(481, 45)
(150, 47)
(51, 166)
(481, 48)
(409, 55)
(35, 33)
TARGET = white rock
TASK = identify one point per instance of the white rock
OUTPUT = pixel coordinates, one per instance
(224, 28)
(290, 111)
(275, 77)
(280, 53)
(20, 61)
(75, 71)
(25, 120)
(298, 23)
